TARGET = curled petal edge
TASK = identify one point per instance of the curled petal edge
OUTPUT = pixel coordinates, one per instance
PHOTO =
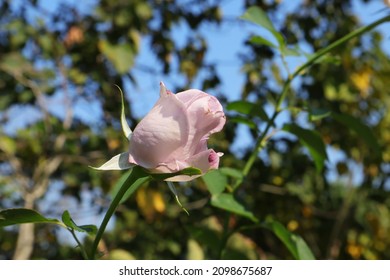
(118, 162)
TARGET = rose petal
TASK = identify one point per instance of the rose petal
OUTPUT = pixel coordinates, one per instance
(162, 132)
(204, 161)
(173, 135)
(205, 115)
(171, 167)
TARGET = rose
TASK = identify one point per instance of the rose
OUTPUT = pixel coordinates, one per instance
(173, 135)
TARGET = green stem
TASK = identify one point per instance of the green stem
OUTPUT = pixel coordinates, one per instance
(259, 143)
(82, 249)
(134, 180)
(339, 42)
(225, 235)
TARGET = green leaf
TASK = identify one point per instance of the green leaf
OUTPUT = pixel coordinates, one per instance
(68, 221)
(206, 234)
(17, 216)
(285, 51)
(312, 141)
(231, 172)
(248, 108)
(294, 243)
(243, 120)
(7, 144)
(318, 114)
(304, 251)
(227, 202)
(14, 63)
(194, 251)
(120, 254)
(77, 76)
(215, 181)
(259, 40)
(361, 129)
(257, 16)
(120, 55)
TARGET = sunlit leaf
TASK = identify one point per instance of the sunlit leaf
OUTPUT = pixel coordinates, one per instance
(303, 250)
(312, 141)
(241, 106)
(215, 181)
(243, 120)
(247, 108)
(120, 254)
(77, 76)
(259, 40)
(120, 55)
(15, 63)
(286, 51)
(227, 202)
(17, 216)
(294, 243)
(260, 17)
(240, 247)
(231, 172)
(194, 251)
(7, 144)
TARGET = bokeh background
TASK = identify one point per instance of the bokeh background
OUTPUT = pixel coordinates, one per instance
(60, 111)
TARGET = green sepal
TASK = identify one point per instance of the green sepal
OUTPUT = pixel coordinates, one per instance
(189, 171)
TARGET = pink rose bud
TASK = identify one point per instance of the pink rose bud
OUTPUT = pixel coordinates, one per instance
(173, 135)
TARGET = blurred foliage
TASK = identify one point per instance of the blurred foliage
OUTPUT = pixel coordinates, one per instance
(75, 55)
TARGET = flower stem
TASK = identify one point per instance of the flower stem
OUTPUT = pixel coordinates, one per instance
(135, 179)
(225, 236)
(320, 53)
(80, 245)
